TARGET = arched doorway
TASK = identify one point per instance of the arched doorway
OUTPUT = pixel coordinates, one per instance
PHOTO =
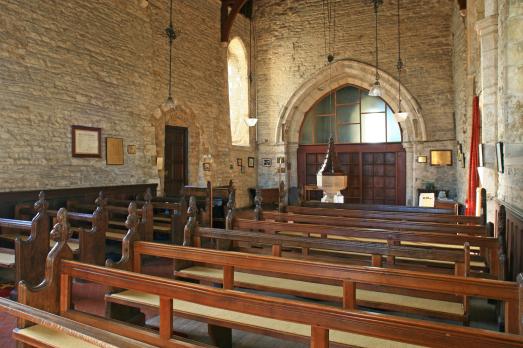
(368, 145)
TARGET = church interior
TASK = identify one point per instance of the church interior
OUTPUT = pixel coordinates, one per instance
(261, 173)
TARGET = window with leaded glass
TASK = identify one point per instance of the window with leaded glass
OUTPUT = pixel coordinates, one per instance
(351, 116)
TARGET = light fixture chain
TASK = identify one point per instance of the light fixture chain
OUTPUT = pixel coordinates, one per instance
(171, 35)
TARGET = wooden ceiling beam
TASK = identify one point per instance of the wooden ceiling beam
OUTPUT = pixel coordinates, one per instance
(229, 11)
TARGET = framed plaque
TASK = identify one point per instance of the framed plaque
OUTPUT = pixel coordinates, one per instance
(114, 151)
(86, 141)
(441, 157)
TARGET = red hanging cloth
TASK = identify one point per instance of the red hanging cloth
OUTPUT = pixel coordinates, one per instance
(474, 159)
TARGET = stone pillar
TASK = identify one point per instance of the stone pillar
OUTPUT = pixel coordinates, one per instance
(487, 29)
(410, 156)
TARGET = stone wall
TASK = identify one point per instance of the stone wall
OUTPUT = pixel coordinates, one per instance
(73, 63)
(510, 100)
(462, 101)
(105, 64)
(489, 45)
(290, 52)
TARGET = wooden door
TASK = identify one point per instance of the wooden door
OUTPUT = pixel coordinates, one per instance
(376, 173)
(176, 154)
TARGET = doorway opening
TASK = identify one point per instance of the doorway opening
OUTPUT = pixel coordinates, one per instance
(176, 159)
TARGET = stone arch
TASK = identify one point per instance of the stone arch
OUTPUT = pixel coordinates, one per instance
(340, 73)
(344, 72)
(181, 116)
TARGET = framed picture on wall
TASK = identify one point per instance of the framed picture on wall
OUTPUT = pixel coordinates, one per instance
(114, 151)
(250, 162)
(267, 162)
(441, 157)
(422, 159)
(239, 162)
(500, 157)
(86, 142)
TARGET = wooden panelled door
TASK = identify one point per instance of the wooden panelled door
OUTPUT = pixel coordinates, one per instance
(176, 153)
(376, 172)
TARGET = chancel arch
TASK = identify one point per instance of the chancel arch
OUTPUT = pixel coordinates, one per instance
(368, 142)
(342, 73)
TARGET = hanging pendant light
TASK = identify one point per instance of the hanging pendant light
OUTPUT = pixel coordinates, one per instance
(375, 91)
(170, 104)
(400, 116)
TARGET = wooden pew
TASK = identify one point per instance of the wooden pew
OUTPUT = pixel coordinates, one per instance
(116, 218)
(366, 222)
(317, 323)
(429, 240)
(131, 255)
(39, 324)
(346, 276)
(28, 252)
(169, 217)
(90, 230)
(490, 249)
(63, 332)
(207, 195)
(411, 210)
(388, 215)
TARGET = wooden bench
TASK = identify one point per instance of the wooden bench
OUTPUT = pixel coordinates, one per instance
(388, 215)
(40, 326)
(347, 276)
(491, 254)
(442, 306)
(225, 308)
(411, 210)
(88, 239)
(231, 312)
(169, 217)
(205, 199)
(51, 330)
(428, 240)
(27, 253)
(116, 216)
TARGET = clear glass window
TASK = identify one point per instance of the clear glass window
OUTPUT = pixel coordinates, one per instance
(351, 116)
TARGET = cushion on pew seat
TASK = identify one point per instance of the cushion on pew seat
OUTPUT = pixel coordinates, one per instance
(52, 338)
(114, 235)
(479, 264)
(191, 308)
(7, 258)
(330, 290)
(160, 228)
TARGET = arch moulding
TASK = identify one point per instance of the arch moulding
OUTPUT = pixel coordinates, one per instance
(341, 73)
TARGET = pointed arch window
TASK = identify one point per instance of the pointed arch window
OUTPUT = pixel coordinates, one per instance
(351, 116)
(238, 81)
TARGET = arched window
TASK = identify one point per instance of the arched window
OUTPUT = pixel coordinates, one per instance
(238, 92)
(351, 116)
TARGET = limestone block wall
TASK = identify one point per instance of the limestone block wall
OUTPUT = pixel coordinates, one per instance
(73, 63)
(488, 45)
(510, 100)
(105, 64)
(462, 99)
(290, 51)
